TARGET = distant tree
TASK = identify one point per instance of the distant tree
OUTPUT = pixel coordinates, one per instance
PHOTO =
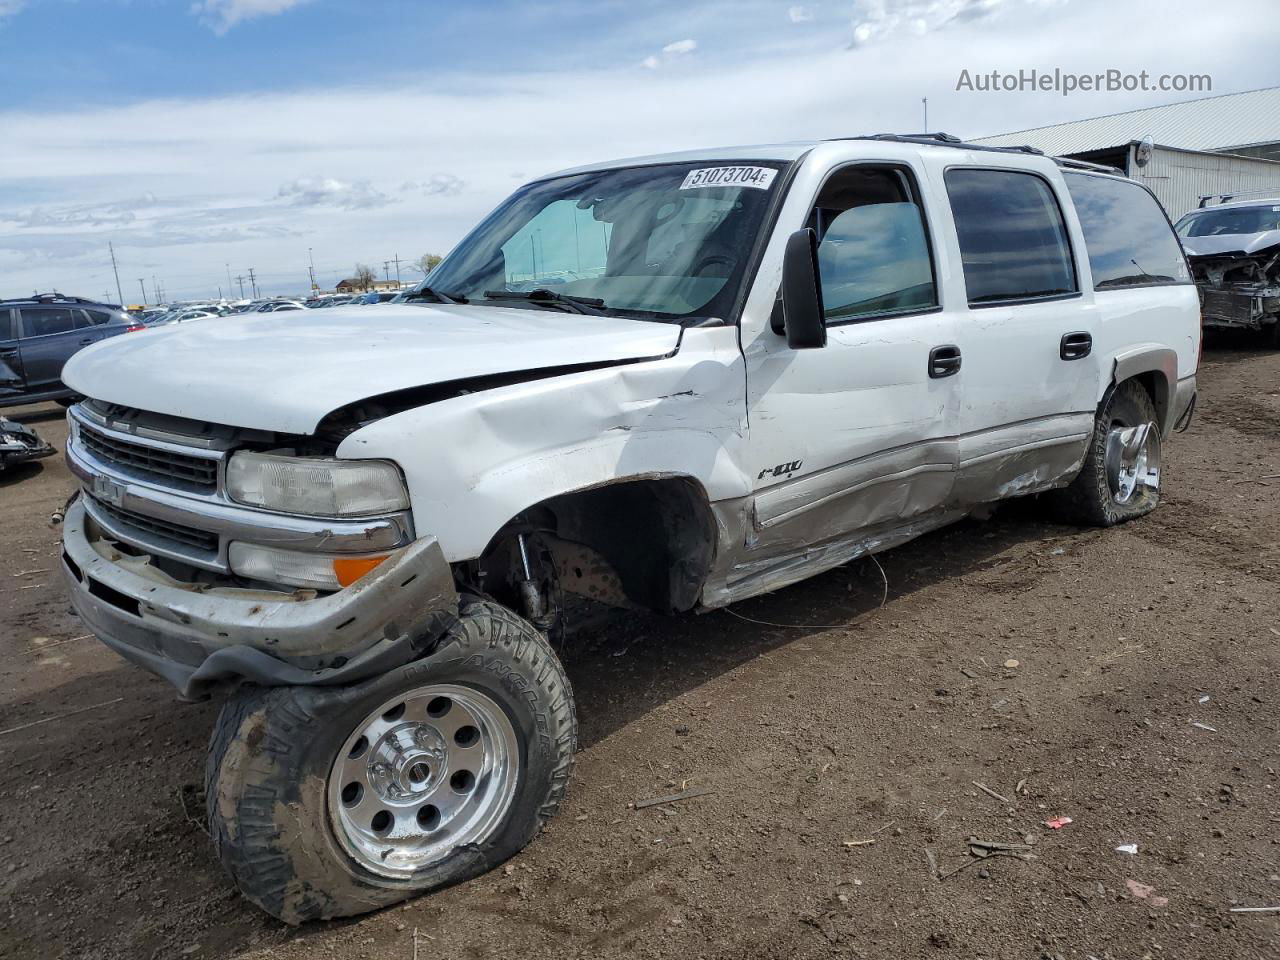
(427, 262)
(365, 275)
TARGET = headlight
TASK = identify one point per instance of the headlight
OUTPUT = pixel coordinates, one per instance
(319, 571)
(319, 488)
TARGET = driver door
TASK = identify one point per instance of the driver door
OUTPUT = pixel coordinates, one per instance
(857, 438)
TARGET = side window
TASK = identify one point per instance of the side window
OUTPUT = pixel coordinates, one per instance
(8, 328)
(1013, 241)
(43, 321)
(873, 251)
(563, 242)
(1129, 239)
(97, 318)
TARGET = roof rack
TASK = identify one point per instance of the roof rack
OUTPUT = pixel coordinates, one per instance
(1073, 164)
(53, 297)
(942, 140)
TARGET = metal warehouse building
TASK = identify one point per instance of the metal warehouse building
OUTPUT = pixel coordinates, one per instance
(1216, 146)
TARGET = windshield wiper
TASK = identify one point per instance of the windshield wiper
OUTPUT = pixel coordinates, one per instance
(589, 305)
(439, 296)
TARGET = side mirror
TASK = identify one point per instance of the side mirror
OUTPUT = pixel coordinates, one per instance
(802, 315)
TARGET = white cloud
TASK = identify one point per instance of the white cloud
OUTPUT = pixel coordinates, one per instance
(330, 192)
(672, 51)
(438, 184)
(877, 20)
(9, 7)
(221, 15)
(800, 14)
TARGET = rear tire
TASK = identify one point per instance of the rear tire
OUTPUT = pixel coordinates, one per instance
(313, 819)
(1120, 479)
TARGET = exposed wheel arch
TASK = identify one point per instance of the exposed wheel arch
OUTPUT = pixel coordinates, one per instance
(657, 534)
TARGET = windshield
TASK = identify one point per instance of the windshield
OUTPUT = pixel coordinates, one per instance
(665, 242)
(1216, 223)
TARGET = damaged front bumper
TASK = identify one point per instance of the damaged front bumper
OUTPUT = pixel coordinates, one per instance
(199, 637)
(1245, 307)
(19, 444)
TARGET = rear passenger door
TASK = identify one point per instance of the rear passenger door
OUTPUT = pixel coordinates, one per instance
(1025, 335)
(50, 335)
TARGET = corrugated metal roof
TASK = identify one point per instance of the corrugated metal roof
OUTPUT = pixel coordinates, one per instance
(1213, 123)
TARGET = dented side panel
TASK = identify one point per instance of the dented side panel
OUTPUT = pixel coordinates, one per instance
(474, 462)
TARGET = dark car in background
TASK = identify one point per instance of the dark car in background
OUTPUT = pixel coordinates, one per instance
(39, 334)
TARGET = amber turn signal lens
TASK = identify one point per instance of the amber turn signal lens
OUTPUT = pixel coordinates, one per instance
(350, 569)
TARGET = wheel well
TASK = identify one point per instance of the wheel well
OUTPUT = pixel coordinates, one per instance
(1157, 387)
(655, 536)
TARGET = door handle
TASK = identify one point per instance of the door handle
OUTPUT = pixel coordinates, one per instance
(1075, 346)
(86, 341)
(944, 361)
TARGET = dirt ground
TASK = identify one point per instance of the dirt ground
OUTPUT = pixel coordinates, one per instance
(841, 749)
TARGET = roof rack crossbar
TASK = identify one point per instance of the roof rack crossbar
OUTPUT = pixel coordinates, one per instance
(1086, 165)
(942, 140)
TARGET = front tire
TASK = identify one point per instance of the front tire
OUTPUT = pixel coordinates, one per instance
(1120, 479)
(333, 801)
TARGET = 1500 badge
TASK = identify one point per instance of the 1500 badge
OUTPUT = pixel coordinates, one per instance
(781, 470)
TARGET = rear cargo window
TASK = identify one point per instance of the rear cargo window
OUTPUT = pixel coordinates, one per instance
(1013, 242)
(1128, 236)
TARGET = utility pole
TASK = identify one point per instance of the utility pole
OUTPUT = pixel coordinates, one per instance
(253, 283)
(386, 269)
(240, 280)
(925, 102)
(155, 289)
(119, 293)
(143, 288)
(396, 261)
(219, 291)
(228, 278)
(311, 268)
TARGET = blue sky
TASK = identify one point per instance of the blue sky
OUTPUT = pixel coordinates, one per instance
(193, 135)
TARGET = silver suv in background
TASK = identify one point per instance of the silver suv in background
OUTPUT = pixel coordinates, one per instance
(1234, 249)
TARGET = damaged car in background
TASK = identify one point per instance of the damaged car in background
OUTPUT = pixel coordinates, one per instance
(1234, 249)
(20, 444)
(670, 383)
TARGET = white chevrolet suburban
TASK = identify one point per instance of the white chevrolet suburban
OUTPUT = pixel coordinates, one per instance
(673, 383)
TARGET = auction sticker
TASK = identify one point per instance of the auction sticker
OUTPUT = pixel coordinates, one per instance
(758, 177)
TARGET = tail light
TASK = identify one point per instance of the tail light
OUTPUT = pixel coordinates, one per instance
(135, 327)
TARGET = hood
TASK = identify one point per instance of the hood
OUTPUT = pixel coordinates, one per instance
(1231, 244)
(285, 371)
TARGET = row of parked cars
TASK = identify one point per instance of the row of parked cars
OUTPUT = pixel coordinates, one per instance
(39, 334)
(182, 313)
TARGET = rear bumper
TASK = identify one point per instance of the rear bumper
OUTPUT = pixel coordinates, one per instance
(198, 637)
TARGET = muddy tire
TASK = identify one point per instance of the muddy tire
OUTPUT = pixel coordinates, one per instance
(1120, 479)
(457, 759)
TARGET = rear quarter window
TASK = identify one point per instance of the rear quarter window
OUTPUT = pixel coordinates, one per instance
(1127, 235)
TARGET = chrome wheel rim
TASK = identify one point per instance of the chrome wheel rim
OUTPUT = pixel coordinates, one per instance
(425, 773)
(1133, 461)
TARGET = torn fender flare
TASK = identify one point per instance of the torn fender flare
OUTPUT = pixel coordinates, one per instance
(200, 638)
(1155, 359)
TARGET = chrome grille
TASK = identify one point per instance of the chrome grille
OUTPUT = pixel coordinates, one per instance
(199, 472)
(173, 532)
